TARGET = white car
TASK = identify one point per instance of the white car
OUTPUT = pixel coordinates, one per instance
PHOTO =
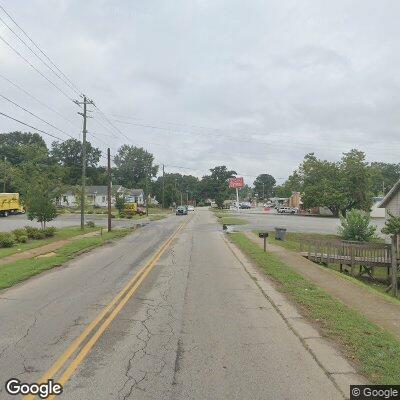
(287, 210)
(190, 208)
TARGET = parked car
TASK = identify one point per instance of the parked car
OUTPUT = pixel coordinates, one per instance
(245, 206)
(190, 208)
(287, 210)
(181, 210)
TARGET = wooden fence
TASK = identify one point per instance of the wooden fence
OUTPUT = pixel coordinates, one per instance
(365, 255)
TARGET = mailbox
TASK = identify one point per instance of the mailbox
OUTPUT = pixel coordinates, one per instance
(263, 234)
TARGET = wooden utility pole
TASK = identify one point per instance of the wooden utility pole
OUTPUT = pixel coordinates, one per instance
(5, 174)
(394, 266)
(163, 186)
(85, 102)
(109, 188)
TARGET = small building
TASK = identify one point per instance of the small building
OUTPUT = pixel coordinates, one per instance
(376, 210)
(391, 202)
(295, 200)
(96, 196)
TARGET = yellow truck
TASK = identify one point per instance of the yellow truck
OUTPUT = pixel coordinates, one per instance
(10, 204)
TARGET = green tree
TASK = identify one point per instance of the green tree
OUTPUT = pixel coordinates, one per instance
(120, 203)
(21, 147)
(216, 184)
(355, 181)
(68, 154)
(40, 199)
(134, 167)
(356, 226)
(264, 186)
(321, 182)
(383, 176)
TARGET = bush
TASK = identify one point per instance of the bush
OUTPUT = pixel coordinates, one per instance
(6, 239)
(22, 239)
(34, 233)
(356, 226)
(392, 225)
(49, 231)
(90, 224)
(18, 233)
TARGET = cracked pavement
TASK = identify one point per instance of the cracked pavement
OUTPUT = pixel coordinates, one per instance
(197, 328)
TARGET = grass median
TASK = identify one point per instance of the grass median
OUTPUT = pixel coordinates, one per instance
(13, 273)
(376, 351)
(228, 219)
(61, 234)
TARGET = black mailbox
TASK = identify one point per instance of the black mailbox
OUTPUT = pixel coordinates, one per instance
(263, 234)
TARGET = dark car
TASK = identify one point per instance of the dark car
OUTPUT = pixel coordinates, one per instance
(181, 210)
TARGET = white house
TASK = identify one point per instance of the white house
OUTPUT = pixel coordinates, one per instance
(391, 202)
(376, 210)
(134, 196)
(95, 196)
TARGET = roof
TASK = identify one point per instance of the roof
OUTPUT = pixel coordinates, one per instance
(390, 195)
(135, 192)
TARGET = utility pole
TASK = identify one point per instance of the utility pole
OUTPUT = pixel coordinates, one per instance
(109, 188)
(85, 102)
(147, 192)
(163, 186)
(5, 174)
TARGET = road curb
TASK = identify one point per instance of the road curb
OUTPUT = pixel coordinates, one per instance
(337, 368)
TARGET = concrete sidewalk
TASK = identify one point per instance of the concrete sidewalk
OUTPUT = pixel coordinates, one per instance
(375, 307)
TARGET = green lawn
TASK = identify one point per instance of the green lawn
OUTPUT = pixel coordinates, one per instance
(157, 217)
(63, 233)
(376, 351)
(16, 272)
(292, 242)
(229, 219)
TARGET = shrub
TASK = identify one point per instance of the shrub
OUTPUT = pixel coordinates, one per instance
(6, 239)
(22, 239)
(18, 233)
(34, 233)
(356, 226)
(392, 225)
(49, 231)
(90, 224)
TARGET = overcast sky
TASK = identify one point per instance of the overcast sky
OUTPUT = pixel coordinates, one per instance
(253, 85)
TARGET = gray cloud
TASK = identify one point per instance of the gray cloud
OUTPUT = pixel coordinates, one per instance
(271, 80)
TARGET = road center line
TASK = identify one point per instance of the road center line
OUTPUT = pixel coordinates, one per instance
(117, 303)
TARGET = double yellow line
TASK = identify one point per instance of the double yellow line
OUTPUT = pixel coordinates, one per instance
(107, 315)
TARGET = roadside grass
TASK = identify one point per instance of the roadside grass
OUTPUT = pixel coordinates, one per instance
(376, 351)
(228, 219)
(63, 233)
(292, 242)
(16, 272)
(157, 217)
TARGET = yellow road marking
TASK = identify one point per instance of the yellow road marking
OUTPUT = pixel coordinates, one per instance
(127, 291)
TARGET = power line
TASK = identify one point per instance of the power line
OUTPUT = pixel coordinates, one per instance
(44, 54)
(30, 126)
(38, 100)
(35, 68)
(36, 116)
(37, 56)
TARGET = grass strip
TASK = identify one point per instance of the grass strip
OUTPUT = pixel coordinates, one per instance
(13, 273)
(157, 217)
(227, 219)
(61, 234)
(376, 351)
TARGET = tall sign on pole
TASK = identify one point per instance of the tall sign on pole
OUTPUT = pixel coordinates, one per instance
(236, 183)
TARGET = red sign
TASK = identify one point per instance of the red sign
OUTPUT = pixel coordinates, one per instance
(236, 183)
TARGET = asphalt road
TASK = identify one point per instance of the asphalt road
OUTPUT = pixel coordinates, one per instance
(198, 327)
(258, 219)
(62, 221)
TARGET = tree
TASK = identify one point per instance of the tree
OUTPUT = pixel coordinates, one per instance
(21, 147)
(40, 199)
(355, 181)
(383, 176)
(217, 183)
(120, 203)
(356, 226)
(264, 185)
(134, 167)
(321, 182)
(69, 155)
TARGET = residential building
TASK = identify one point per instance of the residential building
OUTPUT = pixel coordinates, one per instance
(295, 200)
(96, 196)
(391, 202)
(376, 210)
